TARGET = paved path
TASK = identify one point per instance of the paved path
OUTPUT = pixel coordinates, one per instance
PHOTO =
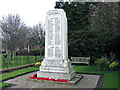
(88, 81)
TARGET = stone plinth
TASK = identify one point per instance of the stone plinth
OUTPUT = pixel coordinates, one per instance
(66, 76)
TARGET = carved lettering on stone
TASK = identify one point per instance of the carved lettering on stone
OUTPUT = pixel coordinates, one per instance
(54, 37)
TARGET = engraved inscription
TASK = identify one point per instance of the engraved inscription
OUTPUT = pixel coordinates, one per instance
(54, 37)
(50, 31)
(50, 51)
(54, 69)
(57, 31)
(54, 13)
(53, 63)
(57, 52)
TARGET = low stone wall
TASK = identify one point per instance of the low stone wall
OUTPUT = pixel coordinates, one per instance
(16, 68)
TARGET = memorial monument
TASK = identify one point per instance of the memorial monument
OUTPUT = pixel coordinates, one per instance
(56, 63)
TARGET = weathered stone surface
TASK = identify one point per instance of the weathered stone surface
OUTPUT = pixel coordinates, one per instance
(67, 76)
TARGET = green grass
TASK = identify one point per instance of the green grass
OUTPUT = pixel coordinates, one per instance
(4, 84)
(110, 77)
(6, 76)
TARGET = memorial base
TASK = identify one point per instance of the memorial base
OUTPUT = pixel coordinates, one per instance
(66, 76)
(73, 81)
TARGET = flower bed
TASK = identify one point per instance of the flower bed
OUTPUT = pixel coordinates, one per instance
(49, 79)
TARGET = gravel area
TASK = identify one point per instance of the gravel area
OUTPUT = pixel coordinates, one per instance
(88, 81)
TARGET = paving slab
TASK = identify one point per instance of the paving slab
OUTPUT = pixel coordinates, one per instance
(88, 81)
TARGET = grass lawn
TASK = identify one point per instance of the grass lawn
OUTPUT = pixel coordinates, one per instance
(110, 77)
(6, 76)
(4, 84)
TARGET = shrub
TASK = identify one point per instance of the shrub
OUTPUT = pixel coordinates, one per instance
(113, 65)
(38, 64)
(36, 52)
(103, 63)
(23, 52)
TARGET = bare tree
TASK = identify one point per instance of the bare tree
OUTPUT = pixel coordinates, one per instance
(11, 25)
(23, 37)
(37, 36)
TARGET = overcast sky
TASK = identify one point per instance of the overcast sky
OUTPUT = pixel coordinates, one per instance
(31, 11)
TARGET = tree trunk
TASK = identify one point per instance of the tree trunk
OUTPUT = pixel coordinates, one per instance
(9, 62)
(40, 53)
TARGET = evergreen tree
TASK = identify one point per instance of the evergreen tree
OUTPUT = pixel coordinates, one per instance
(93, 28)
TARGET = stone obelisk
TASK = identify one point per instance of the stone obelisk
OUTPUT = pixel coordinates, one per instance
(56, 63)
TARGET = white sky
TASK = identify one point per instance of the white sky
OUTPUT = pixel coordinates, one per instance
(31, 11)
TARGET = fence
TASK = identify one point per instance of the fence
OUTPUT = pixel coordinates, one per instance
(18, 60)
